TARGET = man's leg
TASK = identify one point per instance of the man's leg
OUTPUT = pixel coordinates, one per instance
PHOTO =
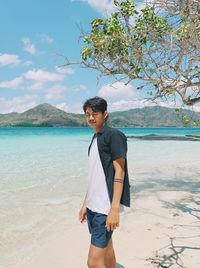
(110, 260)
(96, 257)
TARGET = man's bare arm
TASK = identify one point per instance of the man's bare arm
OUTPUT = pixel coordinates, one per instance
(84, 202)
(112, 220)
(82, 212)
(119, 166)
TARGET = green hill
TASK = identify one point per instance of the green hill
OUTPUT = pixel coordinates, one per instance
(155, 116)
(42, 115)
(48, 115)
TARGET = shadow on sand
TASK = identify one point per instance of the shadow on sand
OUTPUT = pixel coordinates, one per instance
(154, 183)
(176, 250)
(174, 255)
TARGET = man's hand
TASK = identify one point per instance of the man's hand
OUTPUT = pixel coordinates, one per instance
(82, 214)
(112, 220)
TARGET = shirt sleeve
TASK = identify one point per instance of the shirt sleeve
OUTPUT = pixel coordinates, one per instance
(118, 145)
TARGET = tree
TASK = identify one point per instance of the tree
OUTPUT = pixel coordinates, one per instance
(160, 46)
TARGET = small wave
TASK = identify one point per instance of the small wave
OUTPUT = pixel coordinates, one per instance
(59, 201)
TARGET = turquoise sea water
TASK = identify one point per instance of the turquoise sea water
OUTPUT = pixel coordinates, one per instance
(6, 133)
(43, 175)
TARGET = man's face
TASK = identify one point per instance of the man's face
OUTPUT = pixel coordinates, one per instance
(95, 119)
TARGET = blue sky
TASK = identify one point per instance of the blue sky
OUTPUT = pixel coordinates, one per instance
(34, 36)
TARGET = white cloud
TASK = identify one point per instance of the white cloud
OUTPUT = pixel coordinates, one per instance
(54, 92)
(12, 84)
(117, 91)
(29, 46)
(34, 86)
(80, 88)
(9, 59)
(71, 108)
(196, 108)
(44, 38)
(12, 59)
(38, 79)
(76, 108)
(139, 6)
(63, 106)
(124, 105)
(65, 70)
(42, 76)
(27, 63)
(178, 104)
(105, 7)
(17, 104)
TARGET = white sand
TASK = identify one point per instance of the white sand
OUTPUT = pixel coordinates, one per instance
(160, 228)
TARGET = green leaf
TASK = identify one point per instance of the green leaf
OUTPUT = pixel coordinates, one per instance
(86, 52)
(116, 2)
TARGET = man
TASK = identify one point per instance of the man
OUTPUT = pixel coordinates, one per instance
(108, 184)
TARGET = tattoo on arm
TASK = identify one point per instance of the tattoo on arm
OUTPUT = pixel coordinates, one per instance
(118, 180)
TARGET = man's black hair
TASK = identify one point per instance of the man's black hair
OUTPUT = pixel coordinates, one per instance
(97, 104)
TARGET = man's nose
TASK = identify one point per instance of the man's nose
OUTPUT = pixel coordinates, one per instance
(91, 115)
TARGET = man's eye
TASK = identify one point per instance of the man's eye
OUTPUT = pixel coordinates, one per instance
(95, 114)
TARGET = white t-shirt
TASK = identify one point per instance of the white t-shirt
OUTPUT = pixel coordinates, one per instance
(97, 192)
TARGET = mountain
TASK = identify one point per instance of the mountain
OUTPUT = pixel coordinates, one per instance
(48, 115)
(42, 115)
(155, 116)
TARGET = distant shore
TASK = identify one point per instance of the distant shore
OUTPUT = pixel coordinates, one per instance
(186, 137)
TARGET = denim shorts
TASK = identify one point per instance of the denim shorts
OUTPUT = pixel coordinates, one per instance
(96, 225)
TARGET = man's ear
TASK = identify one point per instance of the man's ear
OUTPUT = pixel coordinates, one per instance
(105, 114)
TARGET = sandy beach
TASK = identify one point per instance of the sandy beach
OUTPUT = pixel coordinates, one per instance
(160, 230)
